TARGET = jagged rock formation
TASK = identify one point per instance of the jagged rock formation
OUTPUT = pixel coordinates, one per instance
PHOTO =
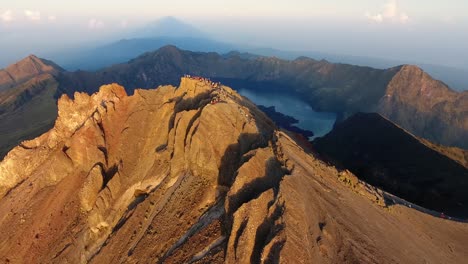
(27, 104)
(165, 176)
(385, 155)
(405, 94)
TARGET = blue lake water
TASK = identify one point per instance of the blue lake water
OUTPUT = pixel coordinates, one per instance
(318, 122)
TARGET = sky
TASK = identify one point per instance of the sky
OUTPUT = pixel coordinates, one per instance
(423, 31)
(448, 9)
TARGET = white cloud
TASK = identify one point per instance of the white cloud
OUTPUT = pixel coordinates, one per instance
(95, 24)
(390, 12)
(376, 18)
(32, 15)
(6, 16)
(52, 18)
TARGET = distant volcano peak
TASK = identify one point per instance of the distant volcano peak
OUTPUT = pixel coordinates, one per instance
(168, 27)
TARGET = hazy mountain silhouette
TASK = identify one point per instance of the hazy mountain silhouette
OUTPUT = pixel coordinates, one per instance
(127, 49)
(167, 27)
(172, 31)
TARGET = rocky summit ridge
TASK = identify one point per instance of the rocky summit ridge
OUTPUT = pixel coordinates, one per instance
(196, 174)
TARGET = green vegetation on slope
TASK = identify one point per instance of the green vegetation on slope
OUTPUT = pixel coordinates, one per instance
(30, 116)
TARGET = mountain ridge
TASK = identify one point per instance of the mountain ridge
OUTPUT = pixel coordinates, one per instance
(425, 106)
(27, 103)
(340, 88)
(24, 69)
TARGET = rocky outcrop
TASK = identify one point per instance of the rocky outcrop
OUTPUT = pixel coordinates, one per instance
(165, 176)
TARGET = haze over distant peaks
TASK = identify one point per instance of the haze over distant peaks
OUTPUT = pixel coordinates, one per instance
(168, 27)
(134, 42)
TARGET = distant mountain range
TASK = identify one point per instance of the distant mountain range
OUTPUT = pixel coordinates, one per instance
(127, 49)
(405, 95)
(171, 31)
(133, 42)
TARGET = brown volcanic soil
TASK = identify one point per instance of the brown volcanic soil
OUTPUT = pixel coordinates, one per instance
(165, 176)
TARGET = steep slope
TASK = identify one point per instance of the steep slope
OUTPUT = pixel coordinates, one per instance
(165, 176)
(426, 107)
(385, 155)
(24, 70)
(27, 104)
(339, 88)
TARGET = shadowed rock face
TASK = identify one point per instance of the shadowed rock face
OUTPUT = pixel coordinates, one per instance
(165, 176)
(385, 155)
